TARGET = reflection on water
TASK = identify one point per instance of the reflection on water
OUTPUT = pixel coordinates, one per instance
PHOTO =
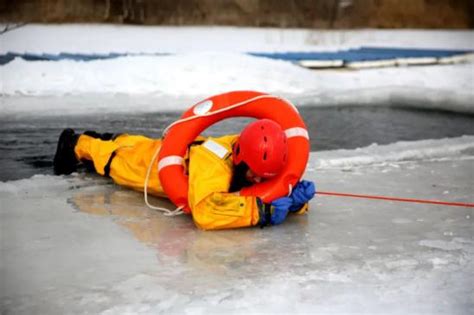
(176, 240)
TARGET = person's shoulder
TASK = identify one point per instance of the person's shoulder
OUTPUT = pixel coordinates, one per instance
(227, 140)
(221, 146)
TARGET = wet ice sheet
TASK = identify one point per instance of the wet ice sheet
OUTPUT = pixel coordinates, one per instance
(80, 244)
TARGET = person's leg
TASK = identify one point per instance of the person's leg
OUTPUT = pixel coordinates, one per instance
(98, 151)
(131, 161)
(124, 158)
(91, 148)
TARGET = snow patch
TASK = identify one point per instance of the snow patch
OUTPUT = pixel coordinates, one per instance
(440, 244)
(403, 263)
(185, 74)
(401, 221)
(57, 184)
(36, 182)
(332, 277)
(398, 152)
(157, 80)
(436, 261)
(211, 60)
(104, 38)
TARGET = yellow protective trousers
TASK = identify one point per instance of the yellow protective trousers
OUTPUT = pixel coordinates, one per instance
(126, 160)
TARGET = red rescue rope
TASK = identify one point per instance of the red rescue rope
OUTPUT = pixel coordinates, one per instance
(436, 202)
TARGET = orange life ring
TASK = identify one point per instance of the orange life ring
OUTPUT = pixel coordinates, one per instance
(233, 104)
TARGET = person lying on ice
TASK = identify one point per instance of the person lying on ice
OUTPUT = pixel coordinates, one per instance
(213, 181)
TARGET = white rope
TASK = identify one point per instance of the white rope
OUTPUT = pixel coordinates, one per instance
(175, 212)
(290, 189)
(225, 109)
(166, 211)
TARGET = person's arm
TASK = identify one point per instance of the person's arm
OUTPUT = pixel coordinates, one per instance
(277, 211)
(210, 174)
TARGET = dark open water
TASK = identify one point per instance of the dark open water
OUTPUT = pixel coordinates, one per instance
(27, 145)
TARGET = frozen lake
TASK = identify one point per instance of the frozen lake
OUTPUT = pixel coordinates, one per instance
(79, 244)
(28, 143)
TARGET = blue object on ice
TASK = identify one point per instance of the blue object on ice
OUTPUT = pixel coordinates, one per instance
(302, 193)
(281, 207)
(9, 56)
(349, 55)
(362, 54)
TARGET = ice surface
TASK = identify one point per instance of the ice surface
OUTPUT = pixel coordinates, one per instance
(79, 244)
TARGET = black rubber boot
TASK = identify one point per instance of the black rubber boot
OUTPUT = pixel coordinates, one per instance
(65, 161)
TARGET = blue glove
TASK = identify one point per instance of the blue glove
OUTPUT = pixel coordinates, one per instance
(276, 212)
(279, 210)
(302, 193)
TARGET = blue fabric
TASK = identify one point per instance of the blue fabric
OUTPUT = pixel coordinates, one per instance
(280, 209)
(302, 193)
(361, 54)
(9, 56)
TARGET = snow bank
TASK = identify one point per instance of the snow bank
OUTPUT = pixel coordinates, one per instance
(199, 75)
(461, 147)
(211, 61)
(185, 74)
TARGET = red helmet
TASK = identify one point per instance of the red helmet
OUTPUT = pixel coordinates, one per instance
(263, 147)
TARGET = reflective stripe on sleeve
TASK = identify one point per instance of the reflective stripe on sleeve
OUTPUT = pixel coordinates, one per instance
(170, 160)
